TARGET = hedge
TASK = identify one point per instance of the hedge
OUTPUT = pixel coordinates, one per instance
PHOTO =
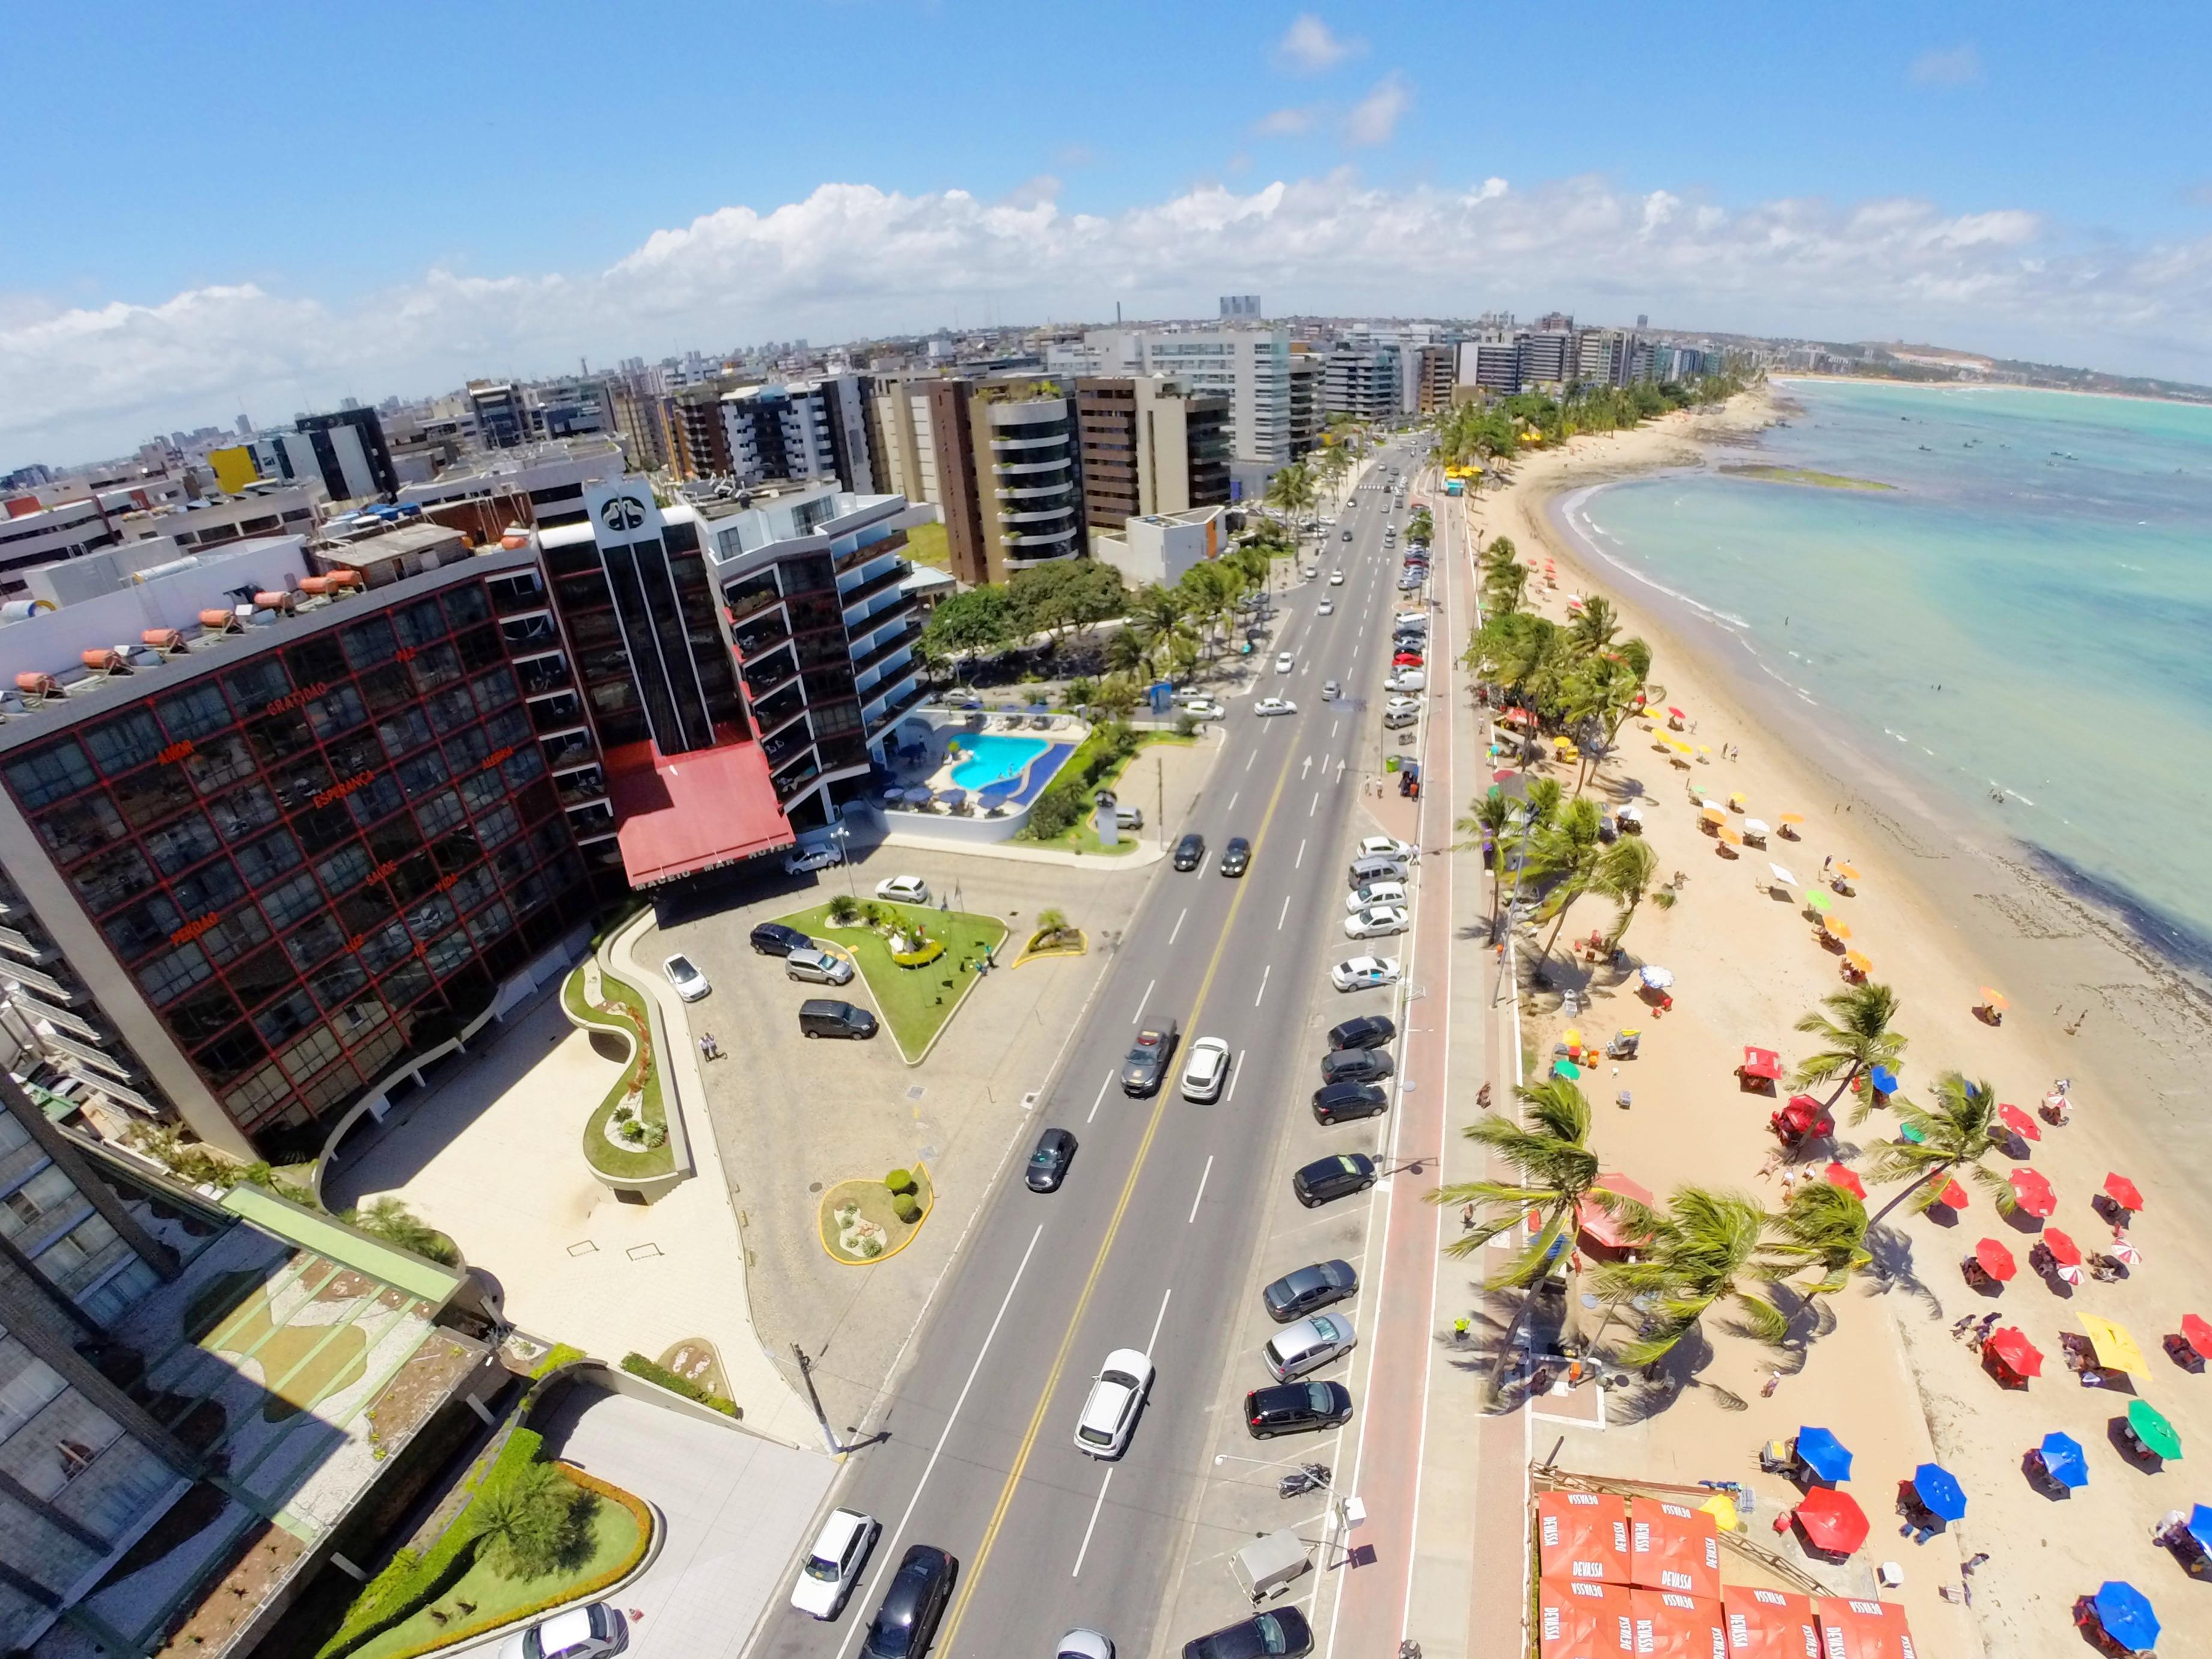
(1069, 798)
(653, 1372)
(930, 950)
(560, 1354)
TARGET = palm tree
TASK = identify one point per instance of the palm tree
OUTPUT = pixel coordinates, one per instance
(1625, 873)
(391, 1220)
(529, 1524)
(1491, 819)
(1554, 1170)
(1507, 590)
(1704, 1250)
(1858, 1037)
(1958, 1131)
(1594, 628)
(1824, 1227)
(1565, 852)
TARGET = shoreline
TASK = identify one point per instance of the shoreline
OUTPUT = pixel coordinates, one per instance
(1809, 375)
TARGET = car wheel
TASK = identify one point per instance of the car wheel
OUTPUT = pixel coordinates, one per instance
(810, 1036)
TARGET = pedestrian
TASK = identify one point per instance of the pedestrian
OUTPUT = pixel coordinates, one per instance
(1974, 1561)
(1466, 1218)
(1460, 1327)
(1773, 1382)
(2170, 1527)
(706, 1048)
(1989, 1324)
(1958, 1325)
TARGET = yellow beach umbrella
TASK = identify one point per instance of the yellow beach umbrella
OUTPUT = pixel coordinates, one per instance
(1837, 929)
(1847, 872)
(1721, 1508)
(2115, 1349)
(1793, 818)
(1859, 961)
(1729, 835)
(1713, 814)
(1572, 1036)
(1737, 800)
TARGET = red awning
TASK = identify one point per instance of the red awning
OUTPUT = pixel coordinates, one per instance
(1852, 1629)
(1582, 1619)
(1583, 1536)
(1671, 1546)
(678, 815)
(1600, 1228)
(1833, 1521)
(1762, 1062)
(1768, 1624)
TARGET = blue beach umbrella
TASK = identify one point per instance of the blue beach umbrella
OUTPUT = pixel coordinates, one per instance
(1885, 1080)
(2199, 1527)
(1826, 1457)
(1939, 1492)
(2064, 1461)
(2125, 1613)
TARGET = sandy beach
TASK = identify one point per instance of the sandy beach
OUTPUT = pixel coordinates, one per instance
(1941, 916)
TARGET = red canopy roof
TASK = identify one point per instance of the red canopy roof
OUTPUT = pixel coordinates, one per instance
(1832, 1520)
(1671, 1546)
(678, 815)
(2010, 1348)
(1997, 1260)
(2020, 1123)
(1673, 1626)
(1581, 1618)
(2197, 1334)
(2063, 1250)
(1599, 1227)
(1768, 1624)
(1842, 1176)
(2033, 1192)
(1760, 1062)
(1852, 1629)
(2123, 1192)
(1583, 1534)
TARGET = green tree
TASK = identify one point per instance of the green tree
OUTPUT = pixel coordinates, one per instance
(1822, 1228)
(1064, 597)
(1291, 491)
(1594, 627)
(1118, 694)
(1857, 1032)
(391, 1220)
(531, 1523)
(1957, 1130)
(1627, 873)
(979, 622)
(1565, 854)
(1705, 1249)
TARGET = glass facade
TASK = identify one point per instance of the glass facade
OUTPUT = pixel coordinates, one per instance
(320, 861)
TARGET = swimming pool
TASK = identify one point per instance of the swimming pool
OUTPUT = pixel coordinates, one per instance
(993, 758)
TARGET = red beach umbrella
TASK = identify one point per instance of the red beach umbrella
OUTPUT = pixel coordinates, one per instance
(1995, 1261)
(1842, 1176)
(2197, 1334)
(1675, 712)
(1762, 1063)
(2063, 1250)
(2010, 1348)
(2033, 1193)
(1952, 1197)
(1833, 1521)
(2020, 1123)
(2123, 1192)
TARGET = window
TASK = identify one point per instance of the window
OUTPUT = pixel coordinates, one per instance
(405, 983)
(489, 923)
(278, 736)
(433, 916)
(403, 732)
(493, 828)
(267, 858)
(313, 939)
(45, 1196)
(439, 814)
(315, 661)
(378, 799)
(419, 774)
(448, 953)
(244, 811)
(258, 1096)
(465, 751)
(338, 709)
(369, 643)
(385, 947)
(336, 981)
(219, 763)
(286, 1018)
(253, 686)
(494, 690)
(522, 765)
(149, 796)
(235, 935)
(465, 606)
(200, 1016)
(181, 843)
(481, 790)
(84, 826)
(293, 900)
(346, 868)
(451, 708)
(472, 888)
(172, 974)
(125, 743)
(195, 713)
(435, 666)
(420, 624)
(144, 926)
(237, 1051)
(111, 878)
(309, 1055)
(386, 688)
(212, 887)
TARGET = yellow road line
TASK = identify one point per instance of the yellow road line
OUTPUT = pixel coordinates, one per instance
(974, 1573)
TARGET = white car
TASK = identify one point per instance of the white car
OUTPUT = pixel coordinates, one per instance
(814, 966)
(1386, 846)
(1407, 679)
(690, 984)
(1336, 578)
(1364, 973)
(590, 1633)
(1378, 923)
(1110, 1415)
(1412, 619)
(800, 860)
(1375, 893)
(1324, 609)
(1308, 1345)
(1081, 1644)
(903, 889)
(1204, 709)
(1282, 661)
(1275, 705)
(1205, 1070)
(1401, 706)
(834, 1561)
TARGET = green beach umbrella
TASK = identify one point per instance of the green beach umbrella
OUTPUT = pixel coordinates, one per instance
(1567, 1068)
(1818, 899)
(1907, 1132)
(2150, 1427)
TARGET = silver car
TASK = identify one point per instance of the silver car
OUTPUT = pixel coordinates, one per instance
(817, 967)
(1308, 1345)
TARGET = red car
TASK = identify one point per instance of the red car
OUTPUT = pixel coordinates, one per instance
(1407, 660)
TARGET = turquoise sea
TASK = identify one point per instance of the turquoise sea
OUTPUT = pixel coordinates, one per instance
(2020, 629)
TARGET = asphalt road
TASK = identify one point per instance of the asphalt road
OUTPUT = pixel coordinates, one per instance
(1148, 1242)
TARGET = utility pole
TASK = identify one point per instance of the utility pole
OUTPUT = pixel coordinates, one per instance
(806, 1376)
(1160, 801)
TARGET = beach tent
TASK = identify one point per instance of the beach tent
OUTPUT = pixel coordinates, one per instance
(1952, 1197)
(2012, 1355)
(1832, 1521)
(2124, 1613)
(1583, 1536)
(2115, 1349)
(1600, 1227)
(1939, 1492)
(1584, 1619)
(2033, 1193)
(2123, 1192)
(1768, 1624)
(1670, 1625)
(1763, 1064)
(1671, 1546)
(1855, 1629)
(1841, 1175)
(2063, 1460)
(2020, 1123)
(1824, 1456)
(1995, 1260)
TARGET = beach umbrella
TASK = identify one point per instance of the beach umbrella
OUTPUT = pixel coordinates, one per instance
(1793, 818)
(1826, 1457)
(1763, 1063)
(1995, 1002)
(1728, 836)
(1833, 1521)
(1842, 1176)
(1755, 827)
(2197, 1334)
(1656, 978)
(2123, 1612)
(2115, 1349)
(1566, 1068)
(2033, 1194)
(2127, 1250)
(1846, 873)
(2199, 1526)
(1939, 1492)
(1952, 1197)
(1995, 1260)
(1884, 1080)
(1712, 815)
(1675, 712)
(1782, 875)
(2063, 1250)
(1735, 799)
(1859, 962)
(1506, 776)
(1835, 927)
(2149, 1425)
(1819, 901)
(2123, 1192)
(1572, 1036)
(1721, 1508)
(2020, 1123)
(2064, 1461)
(2010, 1348)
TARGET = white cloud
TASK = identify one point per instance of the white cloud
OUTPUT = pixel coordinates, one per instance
(851, 259)
(1284, 123)
(1951, 66)
(1308, 46)
(1376, 117)
(1044, 187)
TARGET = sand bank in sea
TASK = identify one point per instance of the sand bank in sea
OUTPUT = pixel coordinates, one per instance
(1939, 917)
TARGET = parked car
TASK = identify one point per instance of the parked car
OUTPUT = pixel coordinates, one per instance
(1129, 817)
(1400, 704)
(1275, 705)
(1355, 1065)
(817, 967)
(1363, 871)
(1282, 1633)
(1306, 1346)
(1190, 851)
(1333, 1177)
(1412, 619)
(1397, 719)
(819, 1017)
(1146, 1062)
(833, 1563)
(1284, 662)
(1375, 893)
(907, 1617)
(903, 889)
(800, 860)
(1295, 1408)
(1117, 1394)
(1379, 922)
(1407, 679)
(1364, 973)
(1406, 659)
(690, 984)
(1364, 1031)
(773, 939)
(1056, 1150)
(1386, 847)
(1237, 857)
(1206, 1071)
(1306, 1289)
(587, 1633)
(1348, 1102)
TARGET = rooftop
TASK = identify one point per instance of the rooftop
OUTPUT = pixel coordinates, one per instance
(679, 815)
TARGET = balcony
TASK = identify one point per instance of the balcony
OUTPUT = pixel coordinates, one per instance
(894, 542)
(106, 1062)
(32, 1009)
(904, 691)
(109, 1087)
(763, 634)
(792, 740)
(512, 595)
(24, 946)
(884, 584)
(563, 711)
(880, 651)
(803, 772)
(591, 818)
(580, 789)
(570, 749)
(34, 979)
(534, 632)
(543, 676)
(763, 677)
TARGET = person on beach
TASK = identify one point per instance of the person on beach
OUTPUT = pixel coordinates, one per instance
(1958, 1325)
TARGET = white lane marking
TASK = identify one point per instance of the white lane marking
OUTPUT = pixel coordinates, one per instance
(938, 1451)
(1300, 862)
(1335, 726)
(1249, 758)
(1143, 1001)
(1286, 911)
(1178, 926)
(1101, 1100)
(1160, 1318)
(1315, 807)
(1201, 1192)
(1264, 972)
(1235, 1072)
(1088, 1530)
(1232, 801)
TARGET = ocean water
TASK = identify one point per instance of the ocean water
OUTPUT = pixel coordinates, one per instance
(2022, 628)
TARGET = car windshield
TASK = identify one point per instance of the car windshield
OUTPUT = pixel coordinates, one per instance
(1044, 1156)
(1318, 1397)
(680, 967)
(1271, 1634)
(819, 1567)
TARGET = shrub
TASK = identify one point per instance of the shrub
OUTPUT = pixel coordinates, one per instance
(921, 956)
(1051, 919)
(653, 1372)
(1056, 811)
(560, 1354)
(871, 1247)
(900, 1181)
(844, 909)
(906, 1209)
(1185, 724)
(391, 1220)
(535, 1523)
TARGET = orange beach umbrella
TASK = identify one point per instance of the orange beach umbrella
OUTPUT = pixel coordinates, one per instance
(1859, 961)
(1837, 928)
(1793, 818)
(1846, 873)
(1995, 999)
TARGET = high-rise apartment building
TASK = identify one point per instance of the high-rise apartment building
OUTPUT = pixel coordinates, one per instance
(1436, 371)
(802, 429)
(1362, 378)
(1249, 366)
(1604, 356)
(1000, 459)
(1240, 308)
(502, 422)
(1149, 446)
(698, 439)
(346, 450)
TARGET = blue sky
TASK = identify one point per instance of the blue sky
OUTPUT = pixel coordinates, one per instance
(223, 205)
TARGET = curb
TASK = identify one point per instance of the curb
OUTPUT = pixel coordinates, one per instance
(913, 1232)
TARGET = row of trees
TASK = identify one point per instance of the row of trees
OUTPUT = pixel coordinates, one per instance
(1054, 600)
(1490, 431)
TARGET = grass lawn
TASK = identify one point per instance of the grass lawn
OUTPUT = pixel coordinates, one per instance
(617, 1161)
(914, 1002)
(874, 1200)
(1081, 837)
(926, 544)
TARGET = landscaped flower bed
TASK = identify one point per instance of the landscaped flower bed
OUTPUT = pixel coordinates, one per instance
(919, 963)
(627, 1136)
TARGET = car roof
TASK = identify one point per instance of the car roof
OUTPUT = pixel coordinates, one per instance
(837, 1528)
(565, 1629)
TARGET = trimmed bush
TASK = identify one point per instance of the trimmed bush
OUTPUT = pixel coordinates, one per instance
(844, 909)
(927, 952)
(653, 1372)
(900, 1181)
(906, 1209)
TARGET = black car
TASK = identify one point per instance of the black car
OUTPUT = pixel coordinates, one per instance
(1327, 1178)
(911, 1607)
(1237, 857)
(1368, 1031)
(773, 939)
(1297, 1294)
(1281, 1634)
(1342, 1102)
(1295, 1408)
(1355, 1065)
(1190, 851)
(821, 1017)
(1056, 1150)
(1146, 1063)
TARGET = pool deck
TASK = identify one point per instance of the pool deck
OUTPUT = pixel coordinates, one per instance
(935, 774)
